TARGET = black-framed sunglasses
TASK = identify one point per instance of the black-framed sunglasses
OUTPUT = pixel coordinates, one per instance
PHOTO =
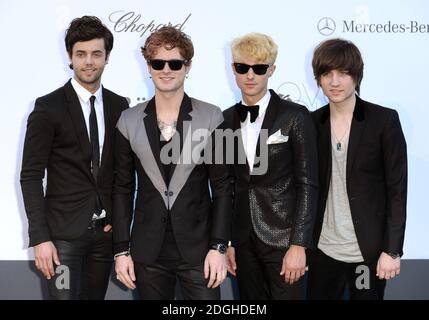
(174, 65)
(258, 69)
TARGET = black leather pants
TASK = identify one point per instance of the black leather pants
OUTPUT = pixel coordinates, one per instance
(85, 266)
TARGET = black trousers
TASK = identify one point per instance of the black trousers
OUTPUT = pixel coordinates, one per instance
(85, 266)
(158, 281)
(328, 279)
(258, 273)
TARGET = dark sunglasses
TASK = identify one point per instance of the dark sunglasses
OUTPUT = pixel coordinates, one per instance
(258, 69)
(174, 65)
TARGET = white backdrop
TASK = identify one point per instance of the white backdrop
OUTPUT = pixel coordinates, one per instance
(392, 35)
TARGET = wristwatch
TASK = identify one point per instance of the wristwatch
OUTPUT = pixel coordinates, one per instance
(394, 255)
(219, 247)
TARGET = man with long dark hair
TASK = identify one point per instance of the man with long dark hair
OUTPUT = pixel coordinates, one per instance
(359, 230)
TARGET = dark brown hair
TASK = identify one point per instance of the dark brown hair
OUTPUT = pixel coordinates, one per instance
(338, 54)
(169, 38)
(88, 28)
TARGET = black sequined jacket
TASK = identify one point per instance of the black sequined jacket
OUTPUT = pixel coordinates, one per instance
(279, 199)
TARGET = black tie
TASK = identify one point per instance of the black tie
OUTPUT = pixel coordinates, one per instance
(243, 110)
(93, 133)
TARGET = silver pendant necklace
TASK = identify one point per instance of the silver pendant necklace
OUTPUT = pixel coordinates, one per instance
(339, 141)
(167, 130)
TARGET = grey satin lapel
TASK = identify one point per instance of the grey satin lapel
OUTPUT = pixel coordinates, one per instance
(131, 125)
(135, 131)
(202, 118)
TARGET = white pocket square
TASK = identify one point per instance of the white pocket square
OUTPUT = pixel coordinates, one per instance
(277, 137)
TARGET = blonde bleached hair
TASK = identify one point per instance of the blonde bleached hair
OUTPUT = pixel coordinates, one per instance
(258, 46)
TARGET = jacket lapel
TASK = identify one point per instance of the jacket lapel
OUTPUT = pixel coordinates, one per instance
(78, 119)
(152, 132)
(107, 125)
(201, 118)
(145, 133)
(181, 131)
(325, 159)
(356, 130)
(268, 122)
(239, 152)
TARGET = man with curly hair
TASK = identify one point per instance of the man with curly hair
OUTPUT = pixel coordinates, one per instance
(181, 226)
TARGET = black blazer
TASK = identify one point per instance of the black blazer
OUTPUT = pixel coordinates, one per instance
(199, 215)
(57, 140)
(376, 177)
(279, 205)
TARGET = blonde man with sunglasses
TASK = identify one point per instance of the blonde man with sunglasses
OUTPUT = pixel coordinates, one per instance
(275, 187)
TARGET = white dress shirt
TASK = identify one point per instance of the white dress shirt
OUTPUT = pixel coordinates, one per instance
(84, 96)
(250, 131)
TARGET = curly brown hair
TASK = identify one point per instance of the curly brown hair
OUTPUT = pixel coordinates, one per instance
(169, 38)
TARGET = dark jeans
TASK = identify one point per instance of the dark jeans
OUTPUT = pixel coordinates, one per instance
(158, 281)
(329, 278)
(258, 273)
(85, 266)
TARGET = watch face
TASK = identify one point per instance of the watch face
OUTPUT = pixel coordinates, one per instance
(221, 248)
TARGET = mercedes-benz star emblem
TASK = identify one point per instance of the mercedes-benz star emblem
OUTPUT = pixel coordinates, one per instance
(326, 26)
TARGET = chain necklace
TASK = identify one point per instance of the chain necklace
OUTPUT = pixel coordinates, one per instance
(339, 141)
(167, 130)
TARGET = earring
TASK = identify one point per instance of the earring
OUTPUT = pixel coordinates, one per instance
(187, 76)
(150, 77)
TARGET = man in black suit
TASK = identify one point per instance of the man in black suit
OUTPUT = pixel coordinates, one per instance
(359, 231)
(180, 226)
(275, 189)
(70, 134)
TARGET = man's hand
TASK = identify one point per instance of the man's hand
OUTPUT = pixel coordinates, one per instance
(293, 266)
(387, 267)
(215, 268)
(230, 260)
(107, 228)
(44, 254)
(124, 267)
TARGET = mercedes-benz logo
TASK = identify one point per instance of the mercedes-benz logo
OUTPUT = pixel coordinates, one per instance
(326, 26)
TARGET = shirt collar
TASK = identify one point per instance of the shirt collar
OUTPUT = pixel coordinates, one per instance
(262, 103)
(84, 94)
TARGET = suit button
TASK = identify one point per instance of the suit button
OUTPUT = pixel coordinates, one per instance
(170, 193)
(166, 193)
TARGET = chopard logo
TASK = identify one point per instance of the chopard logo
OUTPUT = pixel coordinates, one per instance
(132, 22)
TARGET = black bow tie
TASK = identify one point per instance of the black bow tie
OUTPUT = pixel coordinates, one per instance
(243, 110)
